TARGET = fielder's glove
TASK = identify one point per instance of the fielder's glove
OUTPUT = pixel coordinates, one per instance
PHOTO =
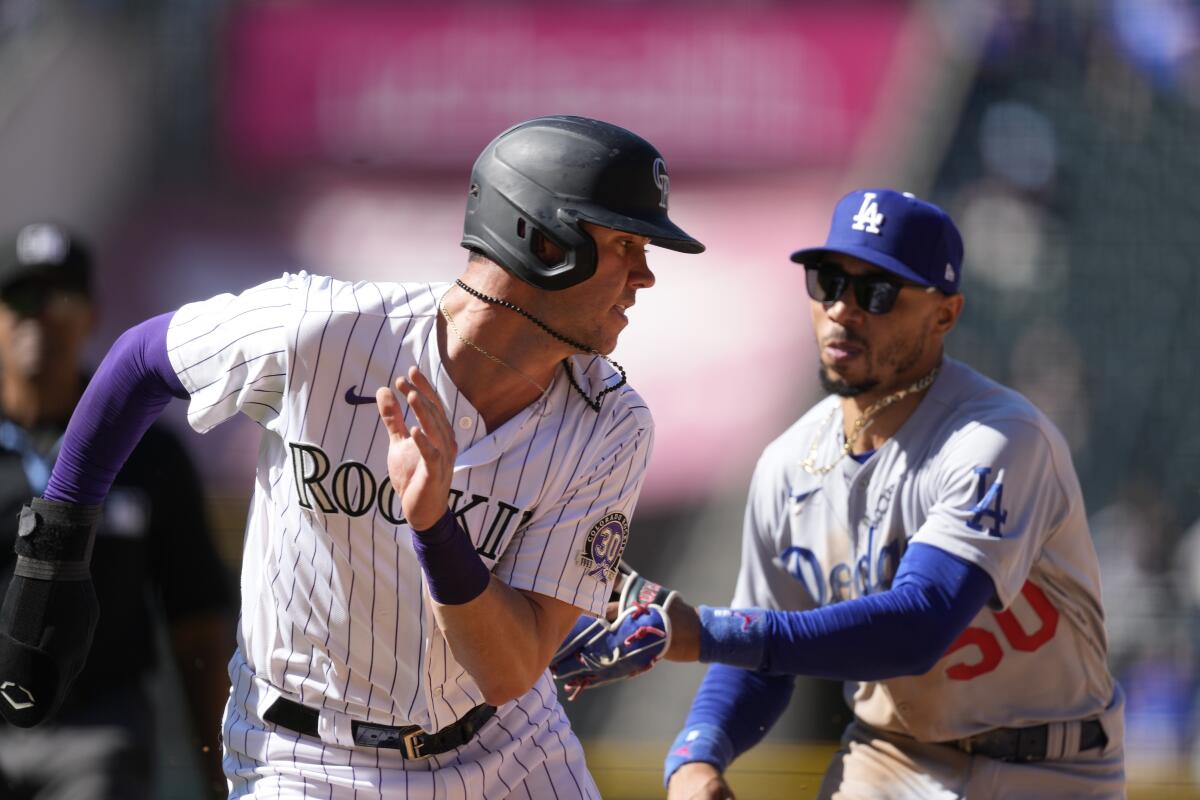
(634, 636)
(49, 612)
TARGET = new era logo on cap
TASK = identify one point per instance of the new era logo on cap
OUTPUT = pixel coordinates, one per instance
(897, 232)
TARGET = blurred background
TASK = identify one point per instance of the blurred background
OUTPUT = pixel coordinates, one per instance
(203, 146)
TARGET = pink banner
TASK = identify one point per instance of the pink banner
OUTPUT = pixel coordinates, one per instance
(425, 87)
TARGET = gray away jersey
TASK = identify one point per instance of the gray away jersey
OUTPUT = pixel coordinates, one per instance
(334, 609)
(979, 472)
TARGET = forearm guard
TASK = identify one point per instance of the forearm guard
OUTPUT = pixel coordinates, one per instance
(50, 611)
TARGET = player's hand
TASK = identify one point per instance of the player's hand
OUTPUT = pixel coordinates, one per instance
(420, 459)
(698, 780)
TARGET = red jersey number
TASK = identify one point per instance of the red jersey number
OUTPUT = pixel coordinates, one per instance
(990, 652)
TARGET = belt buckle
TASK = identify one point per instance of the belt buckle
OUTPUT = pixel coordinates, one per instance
(413, 745)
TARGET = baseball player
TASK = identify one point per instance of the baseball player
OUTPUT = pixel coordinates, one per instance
(411, 562)
(920, 535)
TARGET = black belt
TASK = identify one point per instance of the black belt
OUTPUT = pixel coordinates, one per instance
(412, 739)
(1026, 744)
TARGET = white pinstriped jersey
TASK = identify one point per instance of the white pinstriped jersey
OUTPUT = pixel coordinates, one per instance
(979, 472)
(334, 612)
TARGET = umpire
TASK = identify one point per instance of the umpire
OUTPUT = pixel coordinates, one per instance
(153, 556)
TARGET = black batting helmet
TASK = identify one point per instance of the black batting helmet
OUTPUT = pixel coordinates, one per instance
(543, 177)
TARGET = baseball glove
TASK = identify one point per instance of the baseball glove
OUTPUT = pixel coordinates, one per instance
(633, 636)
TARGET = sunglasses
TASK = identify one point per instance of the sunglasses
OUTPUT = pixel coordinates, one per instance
(875, 294)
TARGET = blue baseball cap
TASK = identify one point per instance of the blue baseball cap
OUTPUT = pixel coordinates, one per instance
(896, 232)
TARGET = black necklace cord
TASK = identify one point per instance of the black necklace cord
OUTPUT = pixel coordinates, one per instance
(497, 301)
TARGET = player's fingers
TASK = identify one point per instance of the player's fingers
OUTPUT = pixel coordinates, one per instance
(418, 380)
(390, 412)
(428, 450)
(430, 414)
(432, 421)
(414, 401)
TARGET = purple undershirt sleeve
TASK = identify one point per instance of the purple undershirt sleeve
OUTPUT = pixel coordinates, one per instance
(132, 386)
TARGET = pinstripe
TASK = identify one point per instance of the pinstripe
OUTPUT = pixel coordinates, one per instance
(421, 663)
(225, 321)
(374, 437)
(574, 473)
(349, 539)
(316, 375)
(558, 712)
(624, 484)
(288, 381)
(316, 370)
(182, 320)
(553, 452)
(235, 366)
(244, 336)
(499, 772)
(591, 506)
(516, 757)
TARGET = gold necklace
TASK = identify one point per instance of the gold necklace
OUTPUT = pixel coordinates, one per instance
(860, 424)
(481, 351)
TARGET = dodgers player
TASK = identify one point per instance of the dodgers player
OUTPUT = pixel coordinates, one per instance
(410, 564)
(920, 534)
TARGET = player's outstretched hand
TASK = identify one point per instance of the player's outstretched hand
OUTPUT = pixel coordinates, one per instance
(698, 780)
(420, 458)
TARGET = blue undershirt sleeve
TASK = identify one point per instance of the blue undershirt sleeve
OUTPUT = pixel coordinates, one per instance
(733, 710)
(901, 631)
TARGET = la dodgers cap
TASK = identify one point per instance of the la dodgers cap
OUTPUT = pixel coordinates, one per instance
(45, 251)
(896, 232)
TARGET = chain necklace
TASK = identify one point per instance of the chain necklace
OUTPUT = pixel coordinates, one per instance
(860, 424)
(481, 351)
(583, 348)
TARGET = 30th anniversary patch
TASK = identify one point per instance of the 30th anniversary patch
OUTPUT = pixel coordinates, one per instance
(604, 546)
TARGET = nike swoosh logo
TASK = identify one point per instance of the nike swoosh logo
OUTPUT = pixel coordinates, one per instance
(800, 497)
(355, 399)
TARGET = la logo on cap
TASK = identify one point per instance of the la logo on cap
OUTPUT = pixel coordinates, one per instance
(869, 217)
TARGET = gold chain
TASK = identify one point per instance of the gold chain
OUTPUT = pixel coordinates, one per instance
(480, 350)
(860, 424)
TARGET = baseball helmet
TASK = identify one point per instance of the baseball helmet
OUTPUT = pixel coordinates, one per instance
(543, 177)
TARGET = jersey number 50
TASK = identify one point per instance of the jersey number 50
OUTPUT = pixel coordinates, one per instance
(991, 652)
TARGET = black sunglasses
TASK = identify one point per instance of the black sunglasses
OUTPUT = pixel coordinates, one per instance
(875, 294)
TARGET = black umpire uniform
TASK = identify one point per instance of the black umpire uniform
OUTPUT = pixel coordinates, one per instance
(153, 560)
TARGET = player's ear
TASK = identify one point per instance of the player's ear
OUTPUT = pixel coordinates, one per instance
(947, 313)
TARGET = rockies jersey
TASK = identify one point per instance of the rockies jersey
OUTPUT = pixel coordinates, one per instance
(334, 610)
(979, 472)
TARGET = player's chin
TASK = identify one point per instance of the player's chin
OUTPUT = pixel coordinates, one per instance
(606, 347)
(841, 382)
(604, 342)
